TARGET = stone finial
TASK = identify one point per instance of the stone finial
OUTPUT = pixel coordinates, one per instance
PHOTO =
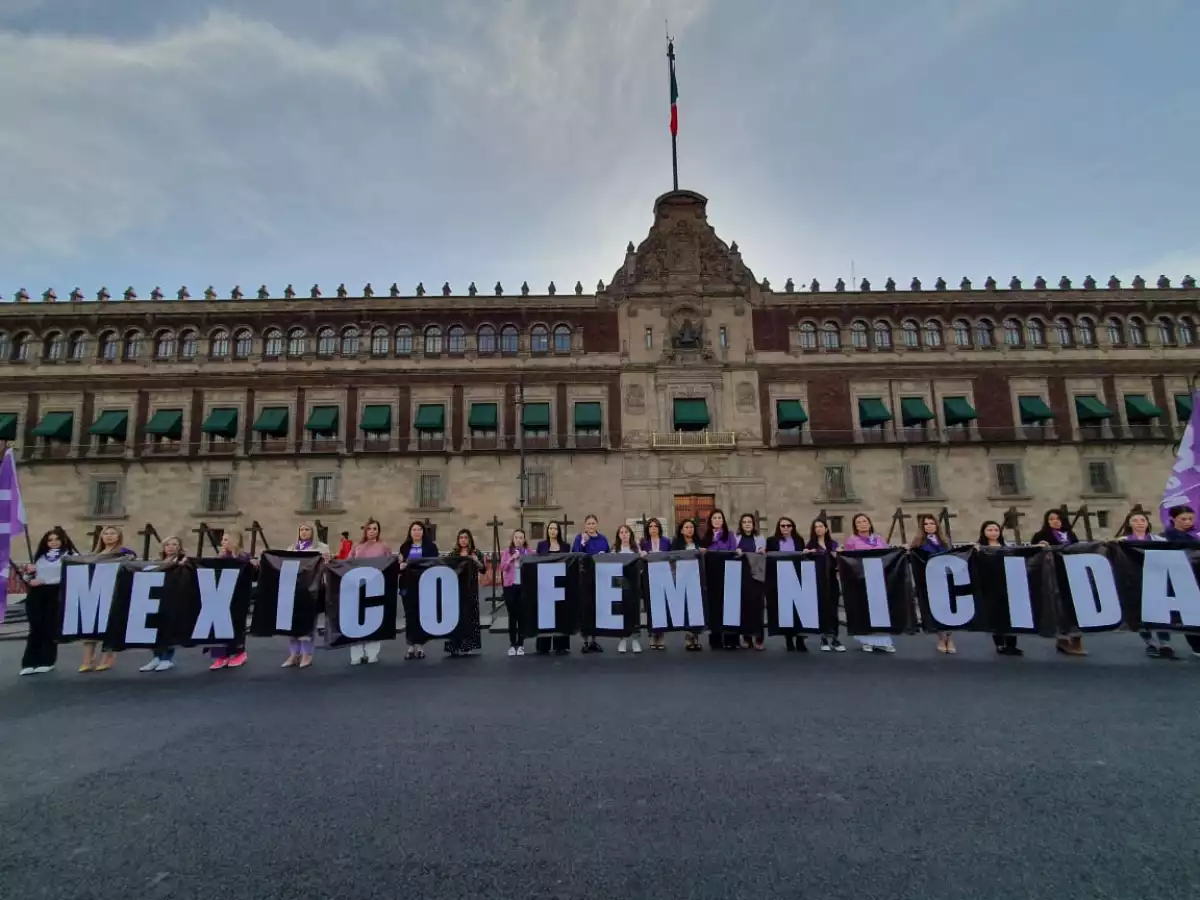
(840, 286)
(629, 247)
(157, 293)
(1163, 282)
(1188, 282)
(1014, 283)
(1089, 283)
(394, 290)
(499, 289)
(341, 290)
(789, 286)
(552, 290)
(22, 296)
(1064, 283)
(446, 289)
(864, 285)
(940, 284)
(314, 292)
(814, 286)
(368, 291)
(1039, 283)
(766, 285)
(77, 295)
(209, 293)
(579, 289)
(889, 285)
(472, 290)
(103, 295)
(1114, 283)
(524, 288)
(1138, 282)
(264, 293)
(965, 284)
(130, 294)
(420, 289)
(236, 293)
(48, 295)
(183, 293)
(289, 293)
(733, 247)
(600, 285)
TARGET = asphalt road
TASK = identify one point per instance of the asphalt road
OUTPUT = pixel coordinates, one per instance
(726, 775)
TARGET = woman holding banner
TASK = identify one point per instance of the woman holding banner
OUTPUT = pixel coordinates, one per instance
(1183, 529)
(418, 545)
(931, 541)
(300, 650)
(685, 539)
(464, 547)
(654, 542)
(624, 543)
(1137, 528)
(719, 537)
(784, 540)
(233, 654)
(510, 577)
(164, 654)
(552, 544)
(865, 538)
(44, 575)
(111, 539)
(991, 535)
(1056, 533)
(751, 543)
(590, 541)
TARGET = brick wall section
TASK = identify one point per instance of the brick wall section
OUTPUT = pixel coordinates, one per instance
(614, 412)
(561, 418)
(140, 411)
(831, 418)
(298, 425)
(1061, 405)
(770, 328)
(404, 418)
(456, 417)
(87, 414)
(510, 415)
(601, 332)
(31, 421)
(248, 421)
(1163, 401)
(1112, 401)
(993, 402)
(196, 436)
(351, 418)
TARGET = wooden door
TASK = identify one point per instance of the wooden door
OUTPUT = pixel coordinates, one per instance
(696, 507)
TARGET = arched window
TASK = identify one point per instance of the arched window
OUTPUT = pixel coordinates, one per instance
(539, 339)
(808, 336)
(133, 346)
(433, 340)
(933, 333)
(77, 346)
(883, 336)
(1065, 335)
(5, 345)
(296, 343)
(404, 341)
(562, 339)
(910, 333)
(858, 335)
(1012, 333)
(1187, 332)
(831, 336)
(1035, 333)
(108, 345)
(20, 347)
(985, 333)
(487, 340)
(1137, 332)
(326, 342)
(1085, 332)
(187, 344)
(351, 338)
(273, 343)
(218, 344)
(243, 343)
(381, 343)
(1166, 331)
(55, 346)
(164, 345)
(509, 339)
(1116, 332)
(962, 333)
(456, 340)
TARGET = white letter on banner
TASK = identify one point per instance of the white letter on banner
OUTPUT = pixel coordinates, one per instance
(215, 621)
(285, 600)
(1016, 584)
(89, 593)
(941, 604)
(731, 613)
(141, 605)
(549, 593)
(796, 594)
(1169, 585)
(438, 619)
(877, 599)
(675, 595)
(608, 595)
(1099, 608)
(355, 619)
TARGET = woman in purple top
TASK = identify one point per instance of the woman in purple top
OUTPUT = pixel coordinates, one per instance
(1183, 528)
(560, 643)
(510, 577)
(233, 654)
(590, 541)
(863, 537)
(719, 537)
(685, 539)
(418, 545)
(111, 539)
(784, 541)
(1055, 532)
(654, 542)
(749, 541)
(931, 540)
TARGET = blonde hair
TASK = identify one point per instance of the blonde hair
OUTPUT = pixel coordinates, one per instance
(170, 537)
(235, 538)
(120, 535)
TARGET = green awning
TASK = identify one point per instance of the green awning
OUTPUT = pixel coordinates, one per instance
(872, 412)
(536, 417)
(1183, 407)
(272, 420)
(376, 419)
(588, 417)
(790, 413)
(322, 420)
(913, 411)
(1034, 410)
(1089, 409)
(166, 423)
(483, 417)
(430, 417)
(113, 423)
(691, 413)
(958, 411)
(8, 426)
(56, 426)
(222, 421)
(1138, 408)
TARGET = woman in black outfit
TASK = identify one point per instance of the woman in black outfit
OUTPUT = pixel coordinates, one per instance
(1055, 532)
(991, 535)
(552, 544)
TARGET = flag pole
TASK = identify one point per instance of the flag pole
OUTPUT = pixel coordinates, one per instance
(674, 113)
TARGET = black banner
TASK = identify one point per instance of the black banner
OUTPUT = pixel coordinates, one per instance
(612, 598)
(360, 599)
(436, 597)
(877, 591)
(552, 590)
(288, 597)
(801, 589)
(673, 585)
(152, 606)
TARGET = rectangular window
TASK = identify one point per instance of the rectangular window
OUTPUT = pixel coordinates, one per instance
(1101, 518)
(321, 494)
(537, 531)
(723, 336)
(1100, 478)
(921, 483)
(537, 491)
(836, 487)
(835, 524)
(649, 338)
(429, 490)
(106, 500)
(216, 494)
(1008, 479)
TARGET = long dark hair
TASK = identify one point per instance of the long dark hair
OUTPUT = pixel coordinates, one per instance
(753, 525)
(558, 535)
(512, 544)
(919, 538)
(813, 541)
(983, 541)
(657, 524)
(680, 540)
(854, 524)
(711, 533)
(470, 542)
(68, 546)
(631, 543)
(426, 541)
(779, 535)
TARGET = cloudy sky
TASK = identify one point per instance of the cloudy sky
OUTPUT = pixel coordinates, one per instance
(148, 142)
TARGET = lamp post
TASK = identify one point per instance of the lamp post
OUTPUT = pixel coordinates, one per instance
(522, 475)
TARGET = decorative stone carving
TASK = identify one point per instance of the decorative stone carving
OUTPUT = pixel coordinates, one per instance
(48, 295)
(77, 295)
(1114, 283)
(789, 286)
(579, 289)
(103, 295)
(157, 293)
(915, 284)
(864, 285)
(1188, 282)
(130, 294)
(551, 290)
(263, 292)
(1064, 283)
(182, 294)
(1138, 282)
(341, 291)
(600, 285)
(1163, 282)
(368, 291)
(1039, 283)
(940, 284)
(472, 290)
(524, 288)
(446, 289)
(814, 286)
(236, 293)
(22, 296)
(635, 399)
(314, 292)
(210, 293)
(765, 285)
(289, 293)
(733, 248)
(840, 286)
(499, 289)
(745, 398)
(1014, 284)
(629, 247)
(394, 290)
(965, 284)
(889, 285)
(1089, 283)
(688, 336)
(420, 289)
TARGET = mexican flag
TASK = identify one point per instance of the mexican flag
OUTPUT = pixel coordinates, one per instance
(674, 101)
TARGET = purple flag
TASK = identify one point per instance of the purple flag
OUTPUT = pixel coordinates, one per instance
(12, 521)
(1183, 484)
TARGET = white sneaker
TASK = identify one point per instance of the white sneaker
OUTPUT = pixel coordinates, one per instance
(373, 658)
(512, 651)
(165, 665)
(825, 648)
(887, 648)
(839, 647)
(621, 646)
(637, 648)
(357, 660)
(867, 648)
(28, 670)
(520, 651)
(42, 670)
(150, 666)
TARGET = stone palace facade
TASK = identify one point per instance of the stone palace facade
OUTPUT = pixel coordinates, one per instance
(683, 384)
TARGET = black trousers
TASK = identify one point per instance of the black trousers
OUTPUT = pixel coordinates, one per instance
(1004, 641)
(724, 640)
(559, 642)
(516, 616)
(41, 608)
